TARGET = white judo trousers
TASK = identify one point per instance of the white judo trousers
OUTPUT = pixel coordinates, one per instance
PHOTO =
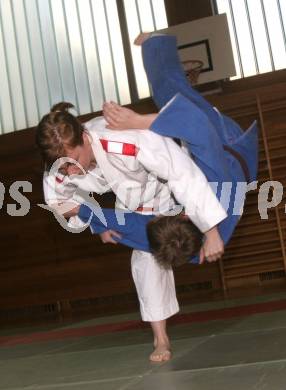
(155, 287)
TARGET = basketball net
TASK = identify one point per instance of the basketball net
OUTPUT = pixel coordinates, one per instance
(192, 69)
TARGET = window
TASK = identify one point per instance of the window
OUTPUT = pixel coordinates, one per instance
(70, 50)
(257, 29)
(143, 16)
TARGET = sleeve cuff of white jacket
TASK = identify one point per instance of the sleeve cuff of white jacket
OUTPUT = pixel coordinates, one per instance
(212, 222)
(75, 222)
(204, 224)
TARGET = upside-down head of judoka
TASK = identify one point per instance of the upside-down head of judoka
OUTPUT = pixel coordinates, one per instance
(173, 240)
(60, 134)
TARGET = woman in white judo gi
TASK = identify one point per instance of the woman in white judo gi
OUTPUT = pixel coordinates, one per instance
(91, 145)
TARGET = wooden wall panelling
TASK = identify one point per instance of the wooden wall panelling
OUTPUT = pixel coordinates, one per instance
(256, 251)
(275, 154)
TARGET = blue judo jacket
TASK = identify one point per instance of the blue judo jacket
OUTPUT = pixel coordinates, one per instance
(223, 151)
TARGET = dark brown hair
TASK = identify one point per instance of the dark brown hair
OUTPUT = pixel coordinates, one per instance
(57, 131)
(173, 240)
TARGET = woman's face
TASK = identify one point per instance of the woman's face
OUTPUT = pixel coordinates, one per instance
(83, 154)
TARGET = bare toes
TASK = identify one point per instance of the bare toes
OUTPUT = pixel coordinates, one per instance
(160, 355)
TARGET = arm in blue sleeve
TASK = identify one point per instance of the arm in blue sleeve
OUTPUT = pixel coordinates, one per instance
(131, 226)
(98, 224)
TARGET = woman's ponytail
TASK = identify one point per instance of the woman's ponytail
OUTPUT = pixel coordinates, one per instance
(61, 107)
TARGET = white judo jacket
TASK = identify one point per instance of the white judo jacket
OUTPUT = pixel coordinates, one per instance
(159, 171)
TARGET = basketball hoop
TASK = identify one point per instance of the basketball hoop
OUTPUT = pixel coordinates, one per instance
(192, 69)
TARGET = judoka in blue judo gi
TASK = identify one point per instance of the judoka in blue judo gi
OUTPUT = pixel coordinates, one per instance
(226, 154)
(217, 146)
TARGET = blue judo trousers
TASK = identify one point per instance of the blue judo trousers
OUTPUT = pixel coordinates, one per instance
(222, 150)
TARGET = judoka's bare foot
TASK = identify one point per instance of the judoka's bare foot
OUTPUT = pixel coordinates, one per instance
(161, 353)
(142, 38)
